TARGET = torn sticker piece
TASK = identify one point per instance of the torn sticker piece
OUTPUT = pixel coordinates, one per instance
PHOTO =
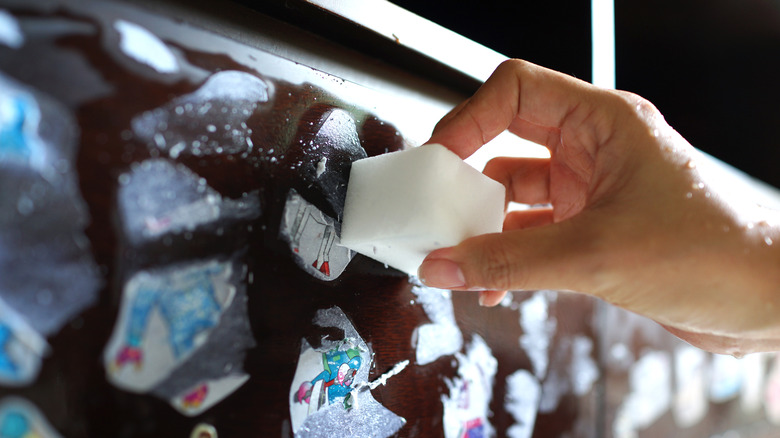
(330, 393)
(21, 419)
(440, 337)
(182, 335)
(143, 46)
(523, 393)
(538, 330)
(212, 120)
(313, 239)
(21, 349)
(159, 197)
(467, 407)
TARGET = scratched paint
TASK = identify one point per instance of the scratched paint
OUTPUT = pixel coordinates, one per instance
(144, 47)
(313, 239)
(523, 394)
(649, 397)
(19, 418)
(538, 330)
(212, 120)
(467, 406)
(440, 337)
(10, 33)
(181, 334)
(47, 273)
(690, 402)
(159, 197)
(330, 393)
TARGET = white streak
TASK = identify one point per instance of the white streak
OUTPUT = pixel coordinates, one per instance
(143, 46)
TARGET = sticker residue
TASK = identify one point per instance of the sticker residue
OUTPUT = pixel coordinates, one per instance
(650, 395)
(143, 46)
(523, 394)
(330, 394)
(573, 370)
(159, 197)
(209, 121)
(466, 408)
(690, 371)
(21, 419)
(538, 330)
(313, 239)
(441, 336)
(725, 378)
(10, 33)
(182, 334)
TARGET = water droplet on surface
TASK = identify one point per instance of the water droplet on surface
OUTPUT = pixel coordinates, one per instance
(768, 240)
(689, 195)
(698, 186)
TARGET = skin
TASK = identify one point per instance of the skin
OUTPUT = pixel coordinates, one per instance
(637, 217)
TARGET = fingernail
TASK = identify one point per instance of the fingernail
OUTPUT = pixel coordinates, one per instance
(482, 296)
(441, 273)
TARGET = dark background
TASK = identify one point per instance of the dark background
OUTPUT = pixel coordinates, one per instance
(711, 66)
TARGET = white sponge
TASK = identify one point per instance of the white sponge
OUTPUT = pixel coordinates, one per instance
(402, 205)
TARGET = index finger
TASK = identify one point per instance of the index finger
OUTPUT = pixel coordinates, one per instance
(530, 98)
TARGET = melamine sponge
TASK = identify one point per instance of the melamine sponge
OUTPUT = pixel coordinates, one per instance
(402, 205)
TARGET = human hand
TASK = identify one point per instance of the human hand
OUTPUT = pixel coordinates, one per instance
(635, 217)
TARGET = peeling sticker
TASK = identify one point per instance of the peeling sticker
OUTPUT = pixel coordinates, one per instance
(10, 33)
(538, 330)
(440, 337)
(143, 46)
(209, 121)
(313, 239)
(182, 334)
(158, 197)
(467, 407)
(523, 394)
(21, 419)
(330, 394)
(690, 371)
(725, 378)
(650, 395)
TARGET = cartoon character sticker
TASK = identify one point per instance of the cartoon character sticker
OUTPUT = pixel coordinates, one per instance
(170, 337)
(313, 239)
(466, 408)
(330, 391)
(21, 419)
(21, 349)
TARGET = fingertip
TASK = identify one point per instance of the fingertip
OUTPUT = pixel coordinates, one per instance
(490, 298)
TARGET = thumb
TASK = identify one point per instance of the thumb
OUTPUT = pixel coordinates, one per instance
(560, 256)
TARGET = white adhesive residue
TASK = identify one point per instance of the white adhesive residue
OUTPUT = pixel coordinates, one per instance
(441, 336)
(690, 371)
(577, 377)
(321, 166)
(10, 33)
(650, 381)
(466, 408)
(584, 371)
(522, 402)
(538, 331)
(143, 46)
(382, 380)
(754, 367)
(725, 378)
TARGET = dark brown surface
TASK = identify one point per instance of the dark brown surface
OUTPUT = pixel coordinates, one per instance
(72, 390)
